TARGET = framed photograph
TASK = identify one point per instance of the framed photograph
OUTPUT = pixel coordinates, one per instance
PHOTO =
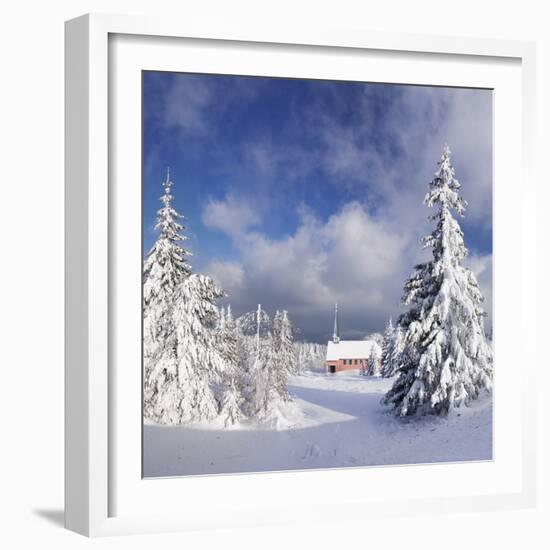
(293, 287)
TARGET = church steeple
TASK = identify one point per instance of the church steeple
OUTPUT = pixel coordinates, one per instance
(336, 332)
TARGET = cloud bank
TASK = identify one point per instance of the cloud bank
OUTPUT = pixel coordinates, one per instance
(328, 207)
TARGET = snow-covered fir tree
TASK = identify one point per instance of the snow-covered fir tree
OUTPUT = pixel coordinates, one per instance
(283, 332)
(201, 362)
(391, 350)
(192, 361)
(232, 406)
(374, 363)
(310, 356)
(446, 361)
(263, 393)
(375, 337)
(252, 331)
(232, 386)
(283, 341)
(164, 269)
(227, 338)
(259, 325)
(387, 349)
(254, 323)
(246, 356)
(394, 357)
(272, 366)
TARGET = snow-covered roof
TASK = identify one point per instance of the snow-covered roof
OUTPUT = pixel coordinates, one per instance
(349, 349)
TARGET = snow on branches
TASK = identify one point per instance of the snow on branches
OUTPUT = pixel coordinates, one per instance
(373, 365)
(166, 264)
(391, 350)
(191, 363)
(446, 361)
(164, 269)
(232, 374)
(270, 361)
(310, 356)
(200, 365)
(201, 360)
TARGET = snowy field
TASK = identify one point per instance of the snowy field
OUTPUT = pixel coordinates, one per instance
(338, 421)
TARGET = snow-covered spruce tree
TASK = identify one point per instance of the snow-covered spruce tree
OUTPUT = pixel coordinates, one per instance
(260, 361)
(263, 392)
(446, 361)
(192, 360)
(273, 364)
(246, 355)
(310, 356)
(375, 337)
(232, 385)
(253, 331)
(286, 352)
(387, 349)
(394, 362)
(255, 323)
(164, 269)
(391, 350)
(374, 363)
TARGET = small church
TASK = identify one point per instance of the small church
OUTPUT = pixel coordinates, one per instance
(346, 354)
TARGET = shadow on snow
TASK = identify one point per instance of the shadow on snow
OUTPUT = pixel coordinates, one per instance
(339, 429)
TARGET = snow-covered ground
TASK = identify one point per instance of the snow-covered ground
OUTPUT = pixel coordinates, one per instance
(338, 421)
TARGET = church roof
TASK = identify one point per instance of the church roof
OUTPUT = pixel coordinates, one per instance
(349, 349)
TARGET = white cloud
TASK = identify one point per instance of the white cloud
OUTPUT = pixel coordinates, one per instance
(231, 215)
(362, 254)
(396, 156)
(373, 246)
(230, 275)
(353, 258)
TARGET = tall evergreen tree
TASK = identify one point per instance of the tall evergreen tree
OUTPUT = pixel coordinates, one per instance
(274, 360)
(164, 269)
(310, 356)
(446, 360)
(255, 323)
(387, 349)
(192, 363)
(233, 376)
(284, 353)
(374, 363)
(246, 356)
(288, 348)
(391, 350)
(397, 350)
(229, 341)
(262, 390)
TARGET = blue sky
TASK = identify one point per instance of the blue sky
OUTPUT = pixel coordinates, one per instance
(299, 193)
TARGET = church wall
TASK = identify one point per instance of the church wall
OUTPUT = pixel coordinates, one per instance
(346, 364)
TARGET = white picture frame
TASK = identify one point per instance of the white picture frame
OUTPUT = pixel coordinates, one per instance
(94, 444)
